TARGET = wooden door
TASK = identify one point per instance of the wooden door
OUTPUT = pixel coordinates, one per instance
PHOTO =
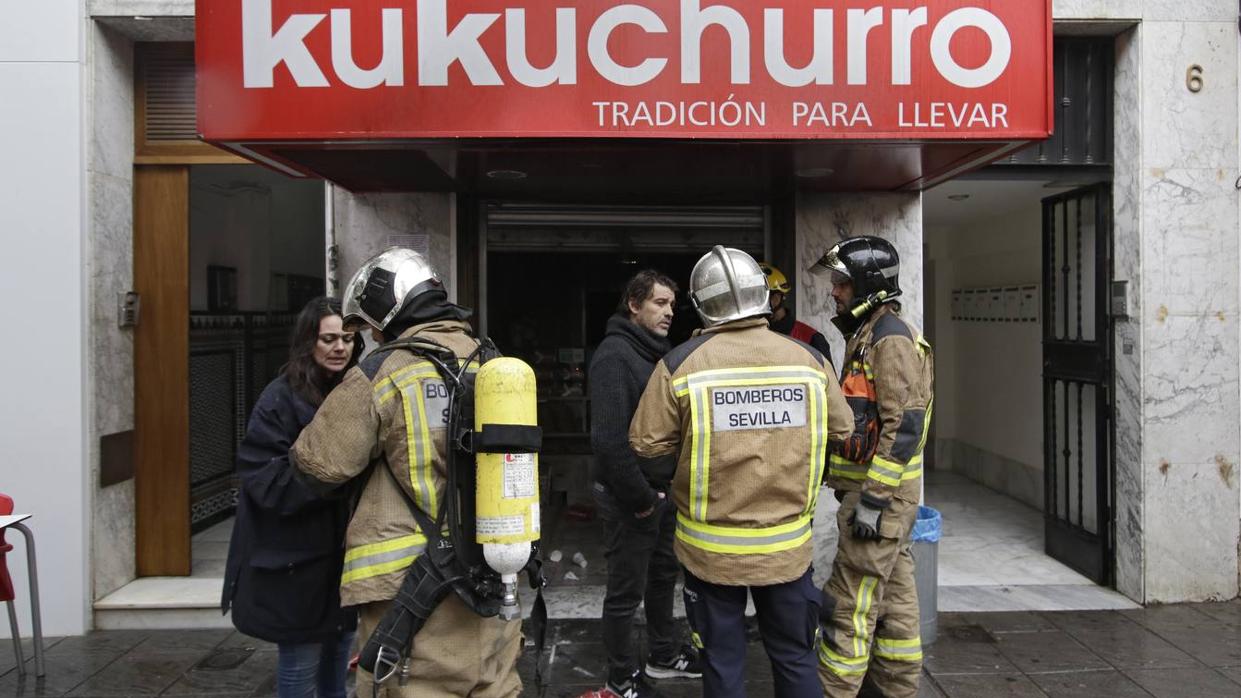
(161, 370)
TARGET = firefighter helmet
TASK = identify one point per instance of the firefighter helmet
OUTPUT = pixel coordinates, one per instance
(776, 280)
(727, 284)
(871, 264)
(385, 283)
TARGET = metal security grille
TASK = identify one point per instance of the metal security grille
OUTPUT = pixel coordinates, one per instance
(213, 408)
(1077, 358)
(1082, 75)
(232, 358)
(167, 105)
(532, 227)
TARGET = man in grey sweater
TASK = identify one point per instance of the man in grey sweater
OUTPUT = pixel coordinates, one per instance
(631, 493)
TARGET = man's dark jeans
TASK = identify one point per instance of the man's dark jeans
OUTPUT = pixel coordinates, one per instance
(641, 568)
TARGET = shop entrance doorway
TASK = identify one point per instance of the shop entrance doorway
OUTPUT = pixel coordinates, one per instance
(256, 257)
(1022, 463)
(224, 257)
(553, 275)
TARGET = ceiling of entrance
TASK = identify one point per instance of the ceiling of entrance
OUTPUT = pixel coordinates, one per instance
(628, 170)
(969, 200)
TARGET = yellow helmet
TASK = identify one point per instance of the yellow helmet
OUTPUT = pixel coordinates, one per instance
(776, 280)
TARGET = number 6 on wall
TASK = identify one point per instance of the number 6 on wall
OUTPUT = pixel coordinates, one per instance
(1193, 78)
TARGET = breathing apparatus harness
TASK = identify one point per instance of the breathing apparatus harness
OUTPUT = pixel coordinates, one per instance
(452, 561)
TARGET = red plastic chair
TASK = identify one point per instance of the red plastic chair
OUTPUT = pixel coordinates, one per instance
(7, 595)
(6, 582)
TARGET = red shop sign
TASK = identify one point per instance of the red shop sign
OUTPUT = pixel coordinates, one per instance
(755, 69)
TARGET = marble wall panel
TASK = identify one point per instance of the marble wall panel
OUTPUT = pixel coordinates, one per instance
(109, 249)
(111, 267)
(111, 96)
(1196, 11)
(1191, 388)
(825, 219)
(1181, 128)
(1127, 245)
(1096, 9)
(140, 8)
(112, 538)
(1021, 481)
(826, 536)
(1190, 241)
(1189, 290)
(149, 28)
(1193, 557)
(367, 223)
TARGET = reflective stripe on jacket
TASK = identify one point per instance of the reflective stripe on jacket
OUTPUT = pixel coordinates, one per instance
(749, 413)
(888, 380)
(391, 412)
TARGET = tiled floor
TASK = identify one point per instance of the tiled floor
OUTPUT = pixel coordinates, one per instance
(209, 550)
(990, 558)
(1169, 651)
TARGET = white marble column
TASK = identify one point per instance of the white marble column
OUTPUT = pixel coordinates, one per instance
(109, 250)
(1189, 308)
(365, 224)
(1127, 336)
(825, 219)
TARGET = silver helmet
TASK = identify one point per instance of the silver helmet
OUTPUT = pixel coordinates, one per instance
(726, 285)
(384, 284)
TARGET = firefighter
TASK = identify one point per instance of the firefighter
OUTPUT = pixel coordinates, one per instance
(782, 318)
(392, 411)
(870, 606)
(748, 414)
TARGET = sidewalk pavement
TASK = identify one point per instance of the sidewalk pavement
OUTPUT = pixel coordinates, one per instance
(1173, 651)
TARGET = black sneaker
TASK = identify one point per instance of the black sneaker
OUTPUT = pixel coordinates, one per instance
(686, 664)
(633, 686)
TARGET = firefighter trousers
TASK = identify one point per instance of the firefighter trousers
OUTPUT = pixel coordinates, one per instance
(457, 653)
(869, 617)
(786, 623)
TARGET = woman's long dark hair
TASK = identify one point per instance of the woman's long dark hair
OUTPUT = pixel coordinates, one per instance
(306, 377)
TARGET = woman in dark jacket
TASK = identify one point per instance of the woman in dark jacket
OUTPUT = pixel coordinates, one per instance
(284, 561)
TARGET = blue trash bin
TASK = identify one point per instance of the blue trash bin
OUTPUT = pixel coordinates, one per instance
(926, 533)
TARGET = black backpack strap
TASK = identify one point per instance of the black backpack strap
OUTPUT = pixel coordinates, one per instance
(536, 627)
(427, 581)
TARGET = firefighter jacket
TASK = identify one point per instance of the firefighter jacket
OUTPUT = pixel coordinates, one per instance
(748, 412)
(391, 412)
(887, 377)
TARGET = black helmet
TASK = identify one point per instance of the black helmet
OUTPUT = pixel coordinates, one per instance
(872, 265)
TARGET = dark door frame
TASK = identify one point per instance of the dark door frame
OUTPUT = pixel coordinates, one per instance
(1071, 359)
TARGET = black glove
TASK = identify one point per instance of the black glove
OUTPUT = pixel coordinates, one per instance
(661, 500)
(865, 522)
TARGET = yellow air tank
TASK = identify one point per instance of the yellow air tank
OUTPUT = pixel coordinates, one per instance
(507, 493)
